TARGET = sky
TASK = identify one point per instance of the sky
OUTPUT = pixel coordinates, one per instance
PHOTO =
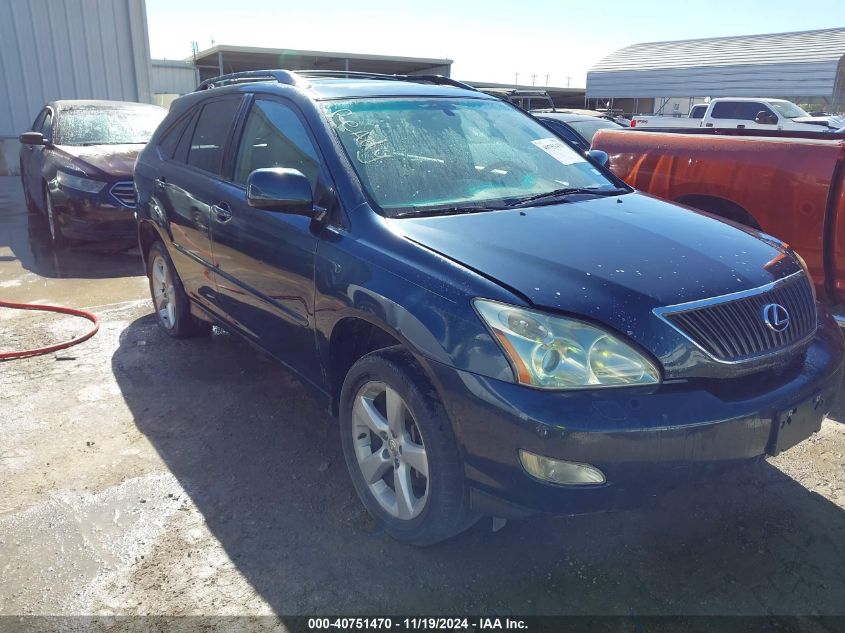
(489, 40)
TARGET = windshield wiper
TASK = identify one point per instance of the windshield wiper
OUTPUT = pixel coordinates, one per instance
(563, 192)
(452, 210)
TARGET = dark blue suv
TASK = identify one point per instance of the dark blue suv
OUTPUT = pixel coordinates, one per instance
(501, 326)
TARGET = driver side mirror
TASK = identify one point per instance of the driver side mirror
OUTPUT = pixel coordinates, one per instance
(765, 118)
(280, 189)
(599, 156)
(33, 138)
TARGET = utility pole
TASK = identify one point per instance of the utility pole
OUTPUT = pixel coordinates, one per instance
(568, 80)
(547, 79)
(534, 79)
(515, 80)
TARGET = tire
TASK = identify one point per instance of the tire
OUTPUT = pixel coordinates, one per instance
(387, 447)
(31, 205)
(171, 303)
(54, 231)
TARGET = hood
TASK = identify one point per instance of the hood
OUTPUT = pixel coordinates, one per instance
(612, 260)
(102, 160)
(834, 122)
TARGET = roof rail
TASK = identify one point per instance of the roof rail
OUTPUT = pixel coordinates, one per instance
(297, 78)
(248, 76)
(439, 80)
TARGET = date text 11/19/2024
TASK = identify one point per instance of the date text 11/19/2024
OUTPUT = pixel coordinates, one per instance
(417, 624)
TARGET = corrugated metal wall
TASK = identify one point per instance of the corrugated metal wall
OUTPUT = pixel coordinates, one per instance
(173, 77)
(70, 49)
(780, 64)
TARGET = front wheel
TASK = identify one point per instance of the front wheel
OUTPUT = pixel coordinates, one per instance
(400, 450)
(57, 239)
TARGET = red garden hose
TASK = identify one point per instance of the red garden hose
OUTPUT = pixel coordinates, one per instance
(50, 348)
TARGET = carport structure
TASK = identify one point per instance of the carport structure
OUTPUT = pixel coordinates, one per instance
(222, 59)
(805, 67)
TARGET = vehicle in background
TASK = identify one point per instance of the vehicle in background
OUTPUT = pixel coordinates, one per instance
(744, 113)
(525, 99)
(578, 129)
(76, 166)
(503, 327)
(791, 185)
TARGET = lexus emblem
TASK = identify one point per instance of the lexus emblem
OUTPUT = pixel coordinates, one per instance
(775, 317)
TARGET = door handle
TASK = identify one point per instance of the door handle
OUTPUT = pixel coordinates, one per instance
(740, 127)
(160, 183)
(222, 212)
(708, 125)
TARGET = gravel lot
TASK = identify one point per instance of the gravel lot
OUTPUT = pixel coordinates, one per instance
(143, 475)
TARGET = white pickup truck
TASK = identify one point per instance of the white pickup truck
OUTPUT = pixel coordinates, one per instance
(744, 112)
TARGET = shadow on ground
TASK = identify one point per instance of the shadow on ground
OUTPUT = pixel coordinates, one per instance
(262, 462)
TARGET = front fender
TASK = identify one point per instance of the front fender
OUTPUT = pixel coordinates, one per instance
(441, 327)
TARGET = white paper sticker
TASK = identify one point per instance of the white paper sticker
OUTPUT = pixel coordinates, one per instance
(558, 150)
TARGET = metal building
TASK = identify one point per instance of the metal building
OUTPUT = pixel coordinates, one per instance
(222, 59)
(67, 49)
(806, 67)
(170, 79)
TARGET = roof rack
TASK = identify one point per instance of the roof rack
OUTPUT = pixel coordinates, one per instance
(297, 77)
(248, 76)
(438, 80)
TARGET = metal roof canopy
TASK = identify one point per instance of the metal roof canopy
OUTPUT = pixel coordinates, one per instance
(563, 97)
(804, 63)
(224, 59)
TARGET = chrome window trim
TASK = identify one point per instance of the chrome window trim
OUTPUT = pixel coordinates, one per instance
(663, 312)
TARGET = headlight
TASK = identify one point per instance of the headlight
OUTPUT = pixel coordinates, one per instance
(78, 182)
(552, 352)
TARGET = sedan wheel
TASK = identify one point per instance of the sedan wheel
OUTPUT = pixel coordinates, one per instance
(390, 451)
(56, 237)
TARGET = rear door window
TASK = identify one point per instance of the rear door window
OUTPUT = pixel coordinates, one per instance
(725, 110)
(211, 134)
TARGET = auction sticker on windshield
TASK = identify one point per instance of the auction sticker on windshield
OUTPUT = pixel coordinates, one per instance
(558, 150)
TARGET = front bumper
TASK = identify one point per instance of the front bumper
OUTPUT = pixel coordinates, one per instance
(645, 440)
(85, 216)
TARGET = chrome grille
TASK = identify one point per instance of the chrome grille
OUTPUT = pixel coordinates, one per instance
(124, 193)
(733, 328)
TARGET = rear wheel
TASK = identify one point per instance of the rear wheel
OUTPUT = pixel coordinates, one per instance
(401, 451)
(172, 306)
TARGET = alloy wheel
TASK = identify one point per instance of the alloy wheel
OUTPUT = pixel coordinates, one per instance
(390, 451)
(164, 293)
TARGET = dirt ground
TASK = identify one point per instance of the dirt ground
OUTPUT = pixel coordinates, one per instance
(144, 475)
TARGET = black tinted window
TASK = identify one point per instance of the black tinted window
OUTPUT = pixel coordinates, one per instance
(697, 112)
(275, 137)
(744, 110)
(210, 134)
(47, 126)
(724, 110)
(170, 139)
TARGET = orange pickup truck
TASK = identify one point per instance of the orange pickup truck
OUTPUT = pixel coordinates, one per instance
(791, 186)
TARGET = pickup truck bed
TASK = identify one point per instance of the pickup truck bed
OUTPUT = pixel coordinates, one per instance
(790, 185)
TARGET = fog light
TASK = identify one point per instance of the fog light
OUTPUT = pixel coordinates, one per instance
(558, 471)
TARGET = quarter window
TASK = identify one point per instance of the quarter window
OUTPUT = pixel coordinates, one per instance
(274, 136)
(170, 139)
(210, 134)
